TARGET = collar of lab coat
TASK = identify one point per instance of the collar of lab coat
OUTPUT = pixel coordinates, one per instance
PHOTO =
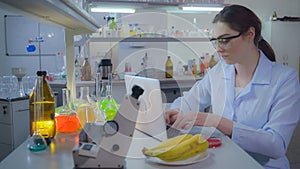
(262, 74)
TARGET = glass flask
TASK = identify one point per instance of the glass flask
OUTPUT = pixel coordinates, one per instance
(37, 142)
(100, 96)
(67, 120)
(85, 108)
(108, 104)
(45, 124)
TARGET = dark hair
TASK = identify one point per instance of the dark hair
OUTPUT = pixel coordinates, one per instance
(240, 18)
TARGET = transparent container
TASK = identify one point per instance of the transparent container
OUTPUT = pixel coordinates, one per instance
(108, 104)
(45, 124)
(86, 70)
(37, 142)
(169, 68)
(85, 108)
(67, 120)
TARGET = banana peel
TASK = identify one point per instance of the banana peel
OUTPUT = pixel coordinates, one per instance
(178, 148)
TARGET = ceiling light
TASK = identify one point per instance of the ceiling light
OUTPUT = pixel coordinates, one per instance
(113, 10)
(202, 8)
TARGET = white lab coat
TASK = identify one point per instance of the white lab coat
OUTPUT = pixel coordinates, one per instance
(265, 113)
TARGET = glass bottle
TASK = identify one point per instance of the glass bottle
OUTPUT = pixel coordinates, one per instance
(109, 105)
(67, 120)
(180, 68)
(194, 68)
(36, 142)
(212, 61)
(86, 70)
(169, 68)
(46, 122)
(202, 65)
(113, 24)
(77, 69)
(85, 110)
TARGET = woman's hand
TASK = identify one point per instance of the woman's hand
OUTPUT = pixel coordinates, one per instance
(191, 119)
(171, 116)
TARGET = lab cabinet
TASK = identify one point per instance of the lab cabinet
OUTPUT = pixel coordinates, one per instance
(14, 124)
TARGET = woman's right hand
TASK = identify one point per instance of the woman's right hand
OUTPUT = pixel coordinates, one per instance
(171, 116)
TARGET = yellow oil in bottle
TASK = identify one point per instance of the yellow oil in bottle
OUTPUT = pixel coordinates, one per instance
(169, 68)
(45, 109)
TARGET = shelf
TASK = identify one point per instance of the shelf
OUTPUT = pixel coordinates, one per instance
(61, 12)
(149, 39)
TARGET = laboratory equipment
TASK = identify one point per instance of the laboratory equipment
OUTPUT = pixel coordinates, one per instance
(66, 119)
(46, 122)
(111, 140)
(19, 72)
(37, 142)
(108, 104)
(105, 68)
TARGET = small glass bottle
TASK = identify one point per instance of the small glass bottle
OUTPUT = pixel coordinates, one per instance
(180, 68)
(169, 68)
(86, 70)
(109, 105)
(212, 61)
(194, 68)
(67, 120)
(77, 69)
(46, 122)
(113, 24)
(202, 65)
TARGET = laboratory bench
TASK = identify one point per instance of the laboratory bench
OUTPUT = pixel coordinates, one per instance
(58, 155)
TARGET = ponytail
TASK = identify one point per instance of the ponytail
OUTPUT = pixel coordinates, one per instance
(267, 49)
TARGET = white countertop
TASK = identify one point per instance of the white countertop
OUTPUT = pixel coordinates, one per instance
(59, 156)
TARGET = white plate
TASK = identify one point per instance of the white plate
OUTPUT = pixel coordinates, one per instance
(198, 158)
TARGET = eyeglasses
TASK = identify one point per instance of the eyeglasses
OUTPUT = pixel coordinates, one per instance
(223, 42)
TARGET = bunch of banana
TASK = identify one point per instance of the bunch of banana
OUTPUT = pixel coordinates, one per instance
(178, 148)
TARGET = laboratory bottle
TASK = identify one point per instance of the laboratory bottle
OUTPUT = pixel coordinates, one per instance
(85, 108)
(169, 68)
(212, 61)
(109, 105)
(180, 68)
(45, 123)
(113, 24)
(66, 118)
(77, 69)
(202, 65)
(86, 70)
(194, 67)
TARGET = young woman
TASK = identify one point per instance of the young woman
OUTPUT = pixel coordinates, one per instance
(254, 100)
